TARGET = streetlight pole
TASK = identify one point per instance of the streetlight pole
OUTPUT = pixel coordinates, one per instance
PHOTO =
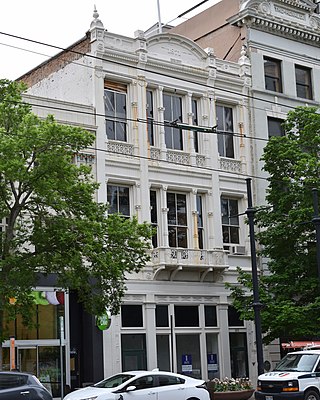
(256, 302)
(316, 222)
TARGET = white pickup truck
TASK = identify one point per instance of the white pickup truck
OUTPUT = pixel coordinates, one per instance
(296, 377)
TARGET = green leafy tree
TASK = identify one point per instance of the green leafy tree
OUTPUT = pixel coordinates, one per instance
(289, 290)
(52, 223)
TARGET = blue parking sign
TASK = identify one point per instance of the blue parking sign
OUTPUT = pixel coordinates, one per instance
(212, 362)
(186, 363)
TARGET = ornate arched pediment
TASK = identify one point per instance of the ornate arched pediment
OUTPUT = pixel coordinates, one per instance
(175, 49)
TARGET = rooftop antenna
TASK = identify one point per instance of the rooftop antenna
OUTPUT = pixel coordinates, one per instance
(159, 17)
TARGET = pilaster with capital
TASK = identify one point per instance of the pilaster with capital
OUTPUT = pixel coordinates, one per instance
(162, 141)
(194, 227)
(164, 238)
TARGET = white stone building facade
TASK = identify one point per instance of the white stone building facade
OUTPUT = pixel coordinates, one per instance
(133, 93)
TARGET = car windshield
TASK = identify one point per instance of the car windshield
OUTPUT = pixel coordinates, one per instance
(113, 381)
(297, 362)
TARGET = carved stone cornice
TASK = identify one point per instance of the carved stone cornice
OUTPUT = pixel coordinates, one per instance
(294, 19)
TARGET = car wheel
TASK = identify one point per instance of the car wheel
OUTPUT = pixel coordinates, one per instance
(311, 395)
(193, 398)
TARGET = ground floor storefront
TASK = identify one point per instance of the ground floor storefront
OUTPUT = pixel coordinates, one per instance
(184, 327)
(189, 328)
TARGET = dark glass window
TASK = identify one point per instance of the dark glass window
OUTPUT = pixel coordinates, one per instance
(177, 220)
(200, 221)
(166, 380)
(224, 126)
(154, 216)
(272, 74)
(173, 113)
(115, 111)
(131, 316)
(275, 127)
(230, 220)
(162, 317)
(8, 381)
(195, 121)
(134, 352)
(234, 317)
(150, 117)
(303, 82)
(118, 200)
(48, 307)
(186, 316)
(210, 315)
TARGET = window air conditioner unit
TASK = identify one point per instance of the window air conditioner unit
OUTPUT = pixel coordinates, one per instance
(238, 250)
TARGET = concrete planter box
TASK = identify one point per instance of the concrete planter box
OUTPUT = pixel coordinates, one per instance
(236, 395)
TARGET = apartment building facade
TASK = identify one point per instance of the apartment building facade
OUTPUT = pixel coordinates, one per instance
(141, 96)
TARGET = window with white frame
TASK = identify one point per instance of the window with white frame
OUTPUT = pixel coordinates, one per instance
(200, 221)
(225, 131)
(115, 98)
(195, 121)
(303, 82)
(272, 74)
(177, 220)
(154, 216)
(275, 127)
(150, 117)
(230, 220)
(173, 113)
(118, 200)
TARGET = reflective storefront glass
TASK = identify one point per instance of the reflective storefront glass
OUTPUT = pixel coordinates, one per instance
(38, 349)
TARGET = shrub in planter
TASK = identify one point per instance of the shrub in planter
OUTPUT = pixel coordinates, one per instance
(230, 389)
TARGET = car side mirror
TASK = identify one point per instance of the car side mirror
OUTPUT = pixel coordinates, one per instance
(131, 388)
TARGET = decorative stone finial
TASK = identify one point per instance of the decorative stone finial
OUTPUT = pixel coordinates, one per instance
(95, 13)
(96, 23)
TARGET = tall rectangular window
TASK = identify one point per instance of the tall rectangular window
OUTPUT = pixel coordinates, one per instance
(173, 113)
(225, 131)
(200, 221)
(118, 200)
(230, 220)
(303, 82)
(272, 74)
(154, 216)
(195, 121)
(115, 111)
(177, 220)
(275, 127)
(150, 117)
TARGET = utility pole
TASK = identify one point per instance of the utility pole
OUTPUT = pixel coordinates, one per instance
(256, 302)
(316, 222)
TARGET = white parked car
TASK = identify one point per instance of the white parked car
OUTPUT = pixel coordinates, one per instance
(144, 385)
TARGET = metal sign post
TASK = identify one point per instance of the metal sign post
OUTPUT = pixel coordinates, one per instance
(61, 353)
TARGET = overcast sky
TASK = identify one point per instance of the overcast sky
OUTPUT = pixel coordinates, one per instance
(63, 22)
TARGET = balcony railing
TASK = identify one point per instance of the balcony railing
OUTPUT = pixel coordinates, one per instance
(180, 259)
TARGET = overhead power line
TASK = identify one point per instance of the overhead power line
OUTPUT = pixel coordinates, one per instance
(70, 50)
